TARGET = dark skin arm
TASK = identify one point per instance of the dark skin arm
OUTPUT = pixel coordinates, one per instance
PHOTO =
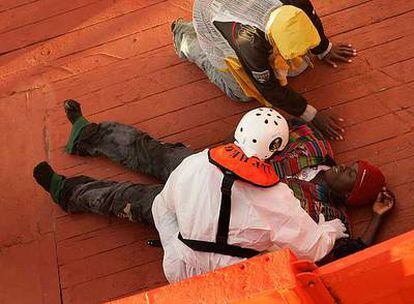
(384, 203)
(329, 125)
(340, 52)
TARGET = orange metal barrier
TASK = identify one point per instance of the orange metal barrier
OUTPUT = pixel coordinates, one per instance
(381, 274)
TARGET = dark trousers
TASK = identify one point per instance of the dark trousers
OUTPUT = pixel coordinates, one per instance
(133, 149)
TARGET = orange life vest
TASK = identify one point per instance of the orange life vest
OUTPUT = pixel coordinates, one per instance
(252, 170)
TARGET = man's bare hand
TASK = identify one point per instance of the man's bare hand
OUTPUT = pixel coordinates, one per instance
(329, 126)
(384, 203)
(340, 52)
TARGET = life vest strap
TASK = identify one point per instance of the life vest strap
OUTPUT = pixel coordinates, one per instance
(224, 249)
(221, 246)
(225, 208)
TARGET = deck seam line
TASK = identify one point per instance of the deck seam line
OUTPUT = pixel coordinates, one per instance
(50, 17)
(20, 5)
(76, 30)
(91, 235)
(397, 62)
(135, 100)
(105, 251)
(58, 268)
(112, 273)
(115, 225)
(109, 41)
(369, 24)
(83, 50)
(371, 144)
(179, 109)
(79, 75)
(204, 124)
(79, 234)
(135, 292)
(344, 9)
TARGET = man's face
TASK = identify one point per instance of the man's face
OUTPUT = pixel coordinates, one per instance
(341, 179)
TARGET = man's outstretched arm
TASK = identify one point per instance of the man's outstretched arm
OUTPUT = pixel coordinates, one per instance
(383, 204)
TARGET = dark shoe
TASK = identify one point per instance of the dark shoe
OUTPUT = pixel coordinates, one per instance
(175, 22)
(73, 110)
(43, 174)
(178, 35)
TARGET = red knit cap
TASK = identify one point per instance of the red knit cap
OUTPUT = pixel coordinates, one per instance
(368, 184)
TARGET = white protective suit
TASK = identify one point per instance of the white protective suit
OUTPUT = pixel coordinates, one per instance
(263, 219)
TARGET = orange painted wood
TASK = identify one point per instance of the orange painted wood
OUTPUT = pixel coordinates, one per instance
(367, 13)
(116, 285)
(6, 5)
(28, 272)
(402, 71)
(89, 14)
(28, 14)
(108, 262)
(328, 7)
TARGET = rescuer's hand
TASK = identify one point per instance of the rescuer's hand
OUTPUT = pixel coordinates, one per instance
(335, 225)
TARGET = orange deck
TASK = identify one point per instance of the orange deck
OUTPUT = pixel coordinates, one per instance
(116, 57)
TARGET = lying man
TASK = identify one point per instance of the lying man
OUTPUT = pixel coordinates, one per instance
(213, 209)
(307, 166)
(248, 48)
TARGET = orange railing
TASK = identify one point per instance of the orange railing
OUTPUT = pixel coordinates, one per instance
(382, 274)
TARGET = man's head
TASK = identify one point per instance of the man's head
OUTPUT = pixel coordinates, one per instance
(360, 183)
(261, 132)
(292, 32)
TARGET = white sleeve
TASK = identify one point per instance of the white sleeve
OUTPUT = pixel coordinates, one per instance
(292, 227)
(164, 214)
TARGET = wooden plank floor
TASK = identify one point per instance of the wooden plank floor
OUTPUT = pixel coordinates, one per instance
(117, 58)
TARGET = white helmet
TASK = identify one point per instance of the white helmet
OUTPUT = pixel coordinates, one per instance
(261, 132)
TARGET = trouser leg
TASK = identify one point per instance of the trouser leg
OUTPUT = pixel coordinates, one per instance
(122, 199)
(187, 47)
(131, 148)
